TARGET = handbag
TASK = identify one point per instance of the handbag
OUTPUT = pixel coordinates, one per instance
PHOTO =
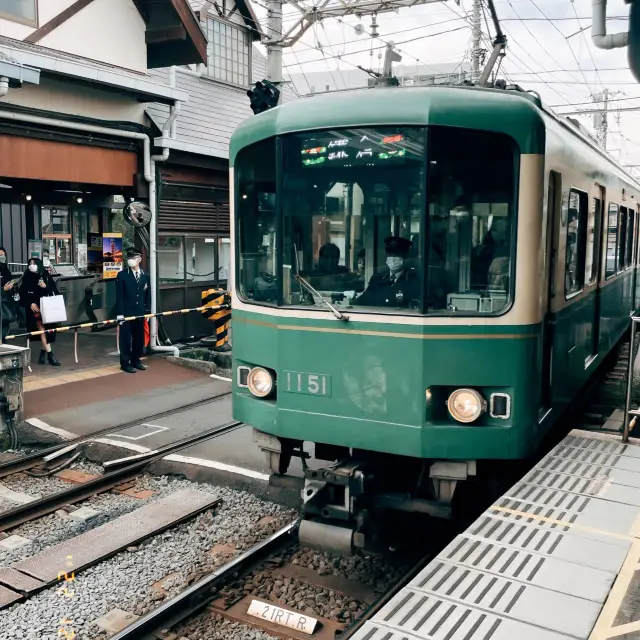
(52, 309)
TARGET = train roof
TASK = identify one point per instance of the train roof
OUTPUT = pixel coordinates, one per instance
(516, 114)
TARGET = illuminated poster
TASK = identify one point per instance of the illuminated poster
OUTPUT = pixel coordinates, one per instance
(111, 255)
(358, 149)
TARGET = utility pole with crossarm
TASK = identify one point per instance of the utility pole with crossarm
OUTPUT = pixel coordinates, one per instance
(310, 14)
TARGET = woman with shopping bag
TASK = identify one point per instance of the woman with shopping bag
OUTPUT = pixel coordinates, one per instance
(36, 290)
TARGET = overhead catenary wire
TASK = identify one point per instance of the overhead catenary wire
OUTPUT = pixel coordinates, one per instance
(513, 55)
(566, 41)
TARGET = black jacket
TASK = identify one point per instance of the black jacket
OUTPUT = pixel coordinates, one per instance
(383, 292)
(132, 298)
(31, 293)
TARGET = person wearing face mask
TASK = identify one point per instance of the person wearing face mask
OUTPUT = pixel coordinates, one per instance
(398, 285)
(133, 298)
(7, 284)
(36, 284)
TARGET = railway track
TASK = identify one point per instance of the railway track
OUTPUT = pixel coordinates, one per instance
(44, 457)
(229, 593)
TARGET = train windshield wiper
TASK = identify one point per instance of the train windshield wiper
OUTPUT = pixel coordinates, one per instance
(317, 294)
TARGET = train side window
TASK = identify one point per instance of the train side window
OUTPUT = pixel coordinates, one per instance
(593, 232)
(631, 221)
(576, 242)
(622, 239)
(256, 222)
(612, 239)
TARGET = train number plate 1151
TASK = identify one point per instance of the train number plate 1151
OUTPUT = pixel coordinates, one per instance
(313, 384)
(278, 615)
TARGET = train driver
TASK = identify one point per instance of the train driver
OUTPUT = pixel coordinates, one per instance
(399, 284)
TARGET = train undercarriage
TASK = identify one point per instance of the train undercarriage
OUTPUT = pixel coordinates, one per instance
(347, 501)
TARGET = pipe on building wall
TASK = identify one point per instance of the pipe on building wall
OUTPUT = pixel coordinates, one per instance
(599, 28)
(4, 86)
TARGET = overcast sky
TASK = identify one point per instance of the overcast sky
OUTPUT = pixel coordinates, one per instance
(547, 52)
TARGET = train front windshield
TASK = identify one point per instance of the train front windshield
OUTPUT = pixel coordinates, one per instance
(397, 220)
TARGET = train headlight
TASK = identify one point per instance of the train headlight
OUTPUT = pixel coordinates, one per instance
(466, 405)
(260, 382)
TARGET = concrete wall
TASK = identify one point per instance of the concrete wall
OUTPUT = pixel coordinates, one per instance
(109, 31)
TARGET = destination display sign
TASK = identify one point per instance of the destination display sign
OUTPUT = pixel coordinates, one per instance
(355, 148)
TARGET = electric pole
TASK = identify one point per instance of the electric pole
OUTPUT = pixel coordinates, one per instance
(274, 42)
(476, 40)
(310, 14)
(601, 119)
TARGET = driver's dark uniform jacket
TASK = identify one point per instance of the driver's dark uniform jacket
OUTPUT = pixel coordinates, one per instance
(387, 290)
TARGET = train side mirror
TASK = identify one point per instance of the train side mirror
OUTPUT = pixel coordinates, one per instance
(633, 52)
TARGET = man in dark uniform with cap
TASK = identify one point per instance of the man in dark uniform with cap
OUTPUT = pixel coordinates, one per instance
(398, 285)
(133, 298)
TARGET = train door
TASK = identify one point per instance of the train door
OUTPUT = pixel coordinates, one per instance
(592, 265)
(554, 204)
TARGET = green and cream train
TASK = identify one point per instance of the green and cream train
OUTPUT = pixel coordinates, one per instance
(424, 278)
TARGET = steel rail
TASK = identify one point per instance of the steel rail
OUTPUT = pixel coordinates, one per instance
(29, 462)
(198, 595)
(50, 504)
(381, 602)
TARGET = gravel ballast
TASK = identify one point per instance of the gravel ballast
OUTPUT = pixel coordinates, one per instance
(127, 580)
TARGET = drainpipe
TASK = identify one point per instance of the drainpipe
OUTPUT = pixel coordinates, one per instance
(168, 130)
(149, 176)
(4, 86)
(599, 28)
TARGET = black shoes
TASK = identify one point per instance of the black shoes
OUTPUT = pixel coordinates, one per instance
(52, 360)
(139, 366)
(127, 368)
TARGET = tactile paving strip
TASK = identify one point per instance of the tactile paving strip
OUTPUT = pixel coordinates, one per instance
(539, 564)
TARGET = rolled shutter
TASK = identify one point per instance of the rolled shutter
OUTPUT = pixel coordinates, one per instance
(195, 217)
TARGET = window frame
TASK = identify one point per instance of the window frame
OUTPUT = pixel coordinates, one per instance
(279, 229)
(608, 276)
(598, 204)
(210, 65)
(185, 283)
(623, 228)
(631, 229)
(11, 17)
(581, 242)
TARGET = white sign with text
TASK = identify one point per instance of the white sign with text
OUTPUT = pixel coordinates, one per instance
(277, 615)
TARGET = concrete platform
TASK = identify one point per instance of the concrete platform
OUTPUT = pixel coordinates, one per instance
(556, 558)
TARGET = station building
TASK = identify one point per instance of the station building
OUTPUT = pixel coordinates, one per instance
(104, 100)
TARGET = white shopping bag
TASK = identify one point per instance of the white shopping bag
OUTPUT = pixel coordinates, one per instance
(52, 309)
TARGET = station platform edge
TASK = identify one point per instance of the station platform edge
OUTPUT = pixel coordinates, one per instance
(557, 557)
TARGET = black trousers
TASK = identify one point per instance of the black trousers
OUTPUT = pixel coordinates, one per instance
(131, 341)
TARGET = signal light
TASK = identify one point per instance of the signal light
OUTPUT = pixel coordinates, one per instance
(264, 96)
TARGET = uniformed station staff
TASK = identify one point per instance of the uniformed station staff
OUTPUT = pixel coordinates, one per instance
(133, 298)
(398, 285)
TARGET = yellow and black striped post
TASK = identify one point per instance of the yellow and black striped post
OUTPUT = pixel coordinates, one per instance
(221, 318)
